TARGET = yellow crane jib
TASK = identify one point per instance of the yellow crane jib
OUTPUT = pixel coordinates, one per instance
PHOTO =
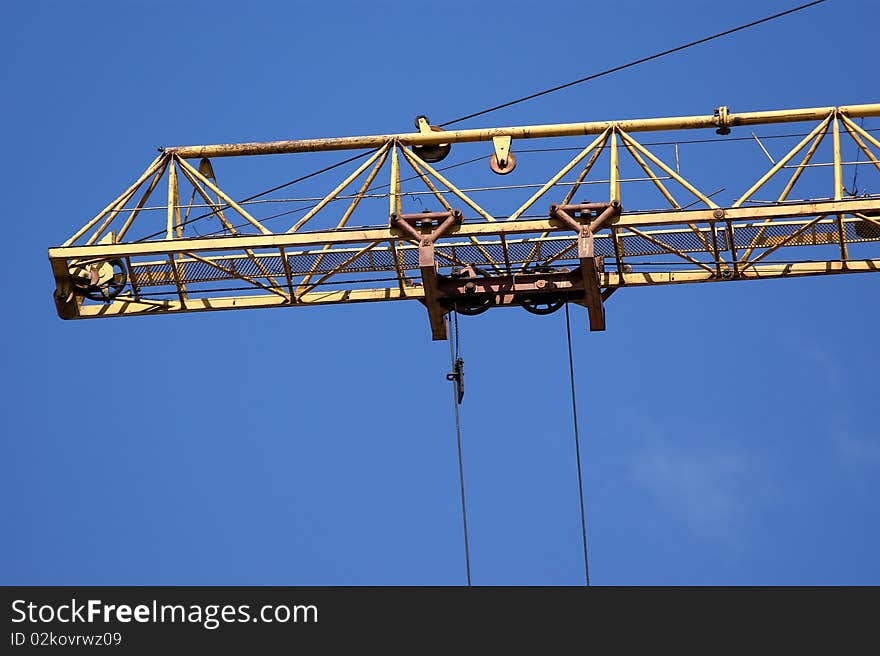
(138, 258)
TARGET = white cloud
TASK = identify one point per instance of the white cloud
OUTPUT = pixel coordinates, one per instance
(705, 485)
(856, 449)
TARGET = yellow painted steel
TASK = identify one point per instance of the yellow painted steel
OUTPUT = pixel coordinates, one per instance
(782, 162)
(210, 185)
(559, 175)
(416, 161)
(467, 229)
(520, 132)
(131, 307)
(666, 169)
(122, 198)
(171, 272)
(342, 185)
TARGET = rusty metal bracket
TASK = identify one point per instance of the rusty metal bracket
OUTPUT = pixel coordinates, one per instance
(540, 290)
(426, 228)
(593, 217)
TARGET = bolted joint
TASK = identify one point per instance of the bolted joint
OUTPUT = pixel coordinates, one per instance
(722, 119)
(421, 123)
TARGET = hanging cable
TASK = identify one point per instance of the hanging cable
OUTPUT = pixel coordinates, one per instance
(577, 446)
(632, 63)
(457, 393)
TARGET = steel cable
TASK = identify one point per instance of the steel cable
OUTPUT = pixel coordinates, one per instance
(631, 64)
(454, 354)
(577, 446)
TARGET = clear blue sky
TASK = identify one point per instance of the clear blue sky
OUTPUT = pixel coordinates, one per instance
(730, 435)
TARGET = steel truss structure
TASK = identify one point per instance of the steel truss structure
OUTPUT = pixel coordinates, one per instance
(459, 256)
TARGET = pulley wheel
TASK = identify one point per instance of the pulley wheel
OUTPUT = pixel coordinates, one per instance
(100, 281)
(542, 306)
(435, 152)
(544, 303)
(473, 306)
(509, 164)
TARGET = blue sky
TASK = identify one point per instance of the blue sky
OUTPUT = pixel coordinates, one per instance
(729, 431)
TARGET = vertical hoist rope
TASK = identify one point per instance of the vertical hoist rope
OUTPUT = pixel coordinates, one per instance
(577, 446)
(454, 354)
